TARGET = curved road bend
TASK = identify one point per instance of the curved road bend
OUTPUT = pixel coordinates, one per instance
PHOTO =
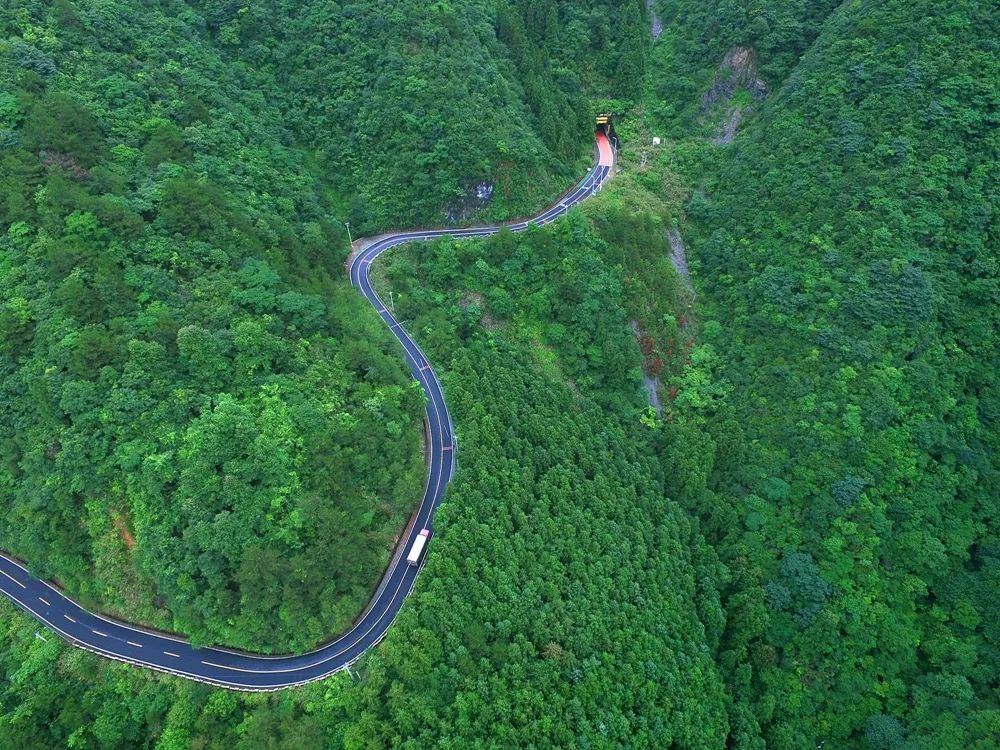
(243, 671)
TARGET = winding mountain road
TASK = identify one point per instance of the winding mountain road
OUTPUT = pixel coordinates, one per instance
(244, 671)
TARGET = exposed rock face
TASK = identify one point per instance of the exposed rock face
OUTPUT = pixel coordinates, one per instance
(727, 131)
(476, 197)
(656, 25)
(678, 257)
(738, 71)
(650, 383)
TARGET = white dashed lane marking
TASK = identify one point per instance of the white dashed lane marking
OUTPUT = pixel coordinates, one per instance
(13, 579)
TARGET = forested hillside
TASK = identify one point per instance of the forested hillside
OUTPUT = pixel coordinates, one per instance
(566, 603)
(203, 429)
(847, 246)
(779, 31)
(569, 604)
(408, 107)
(196, 416)
(796, 547)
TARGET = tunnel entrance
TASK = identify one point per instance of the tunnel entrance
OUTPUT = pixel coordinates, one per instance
(606, 125)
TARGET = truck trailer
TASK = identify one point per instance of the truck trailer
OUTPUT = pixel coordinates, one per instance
(419, 544)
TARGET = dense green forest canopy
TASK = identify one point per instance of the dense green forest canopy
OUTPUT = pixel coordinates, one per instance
(567, 603)
(799, 550)
(779, 31)
(847, 244)
(407, 106)
(203, 429)
(193, 404)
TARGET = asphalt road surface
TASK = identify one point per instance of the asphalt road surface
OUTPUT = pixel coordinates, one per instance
(243, 671)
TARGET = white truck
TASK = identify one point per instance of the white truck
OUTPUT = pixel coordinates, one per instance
(419, 544)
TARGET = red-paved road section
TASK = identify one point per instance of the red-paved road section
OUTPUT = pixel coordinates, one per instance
(605, 154)
(245, 671)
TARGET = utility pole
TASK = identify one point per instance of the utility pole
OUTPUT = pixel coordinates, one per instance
(348, 225)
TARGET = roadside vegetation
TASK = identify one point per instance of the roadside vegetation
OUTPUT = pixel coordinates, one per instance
(204, 429)
(201, 430)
